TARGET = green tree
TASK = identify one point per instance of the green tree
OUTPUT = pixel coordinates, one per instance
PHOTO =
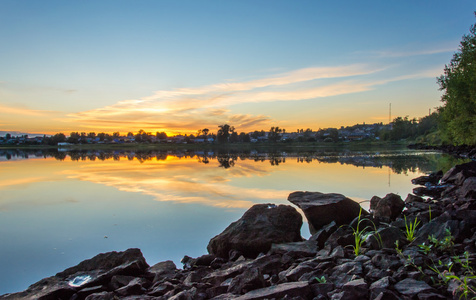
(458, 114)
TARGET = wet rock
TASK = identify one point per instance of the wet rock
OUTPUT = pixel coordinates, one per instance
(321, 209)
(260, 227)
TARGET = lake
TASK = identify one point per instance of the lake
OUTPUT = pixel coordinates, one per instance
(58, 208)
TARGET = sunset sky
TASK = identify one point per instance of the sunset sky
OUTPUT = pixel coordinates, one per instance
(179, 66)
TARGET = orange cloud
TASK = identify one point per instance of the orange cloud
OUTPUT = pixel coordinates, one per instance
(24, 111)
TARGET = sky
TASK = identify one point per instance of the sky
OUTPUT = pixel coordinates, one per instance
(180, 66)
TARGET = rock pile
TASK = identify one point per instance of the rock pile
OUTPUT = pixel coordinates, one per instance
(421, 248)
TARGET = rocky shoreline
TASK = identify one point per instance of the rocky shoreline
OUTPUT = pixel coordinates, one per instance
(457, 151)
(423, 247)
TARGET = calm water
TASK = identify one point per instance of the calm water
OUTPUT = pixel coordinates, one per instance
(56, 211)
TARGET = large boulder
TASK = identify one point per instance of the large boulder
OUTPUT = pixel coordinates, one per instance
(94, 272)
(389, 207)
(321, 209)
(458, 174)
(260, 227)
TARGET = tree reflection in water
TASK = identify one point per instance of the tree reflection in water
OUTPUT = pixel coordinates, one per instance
(400, 161)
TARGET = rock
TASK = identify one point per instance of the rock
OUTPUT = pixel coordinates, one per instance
(260, 227)
(101, 296)
(218, 276)
(356, 288)
(437, 228)
(137, 286)
(430, 191)
(322, 289)
(161, 289)
(458, 174)
(379, 286)
(205, 260)
(323, 234)
(411, 287)
(321, 209)
(432, 179)
(412, 198)
(298, 271)
(389, 207)
(290, 289)
(130, 261)
(374, 202)
(250, 280)
(119, 281)
(91, 272)
(297, 249)
(468, 190)
(386, 238)
(430, 296)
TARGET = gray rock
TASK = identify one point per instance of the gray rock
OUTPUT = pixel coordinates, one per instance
(101, 296)
(297, 249)
(298, 271)
(389, 207)
(458, 174)
(218, 276)
(379, 286)
(130, 261)
(250, 280)
(163, 267)
(260, 227)
(321, 209)
(357, 288)
(411, 287)
(290, 289)
(323, 234)
(468, 190)
(137, 286)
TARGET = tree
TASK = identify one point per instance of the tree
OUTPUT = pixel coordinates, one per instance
(274, 134)
(224, 133)
(458, 115)
(74, 137)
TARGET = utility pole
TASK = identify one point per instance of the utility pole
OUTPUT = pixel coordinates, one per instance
(389, 113)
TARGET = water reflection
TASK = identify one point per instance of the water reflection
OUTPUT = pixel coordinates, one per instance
(57, 206)
(402, 161)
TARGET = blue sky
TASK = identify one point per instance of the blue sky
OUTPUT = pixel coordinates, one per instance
(179, 66)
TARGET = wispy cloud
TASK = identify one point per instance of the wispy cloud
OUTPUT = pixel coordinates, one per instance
(209, 105)
(24, 111)
(417, 52)
(188, 109)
